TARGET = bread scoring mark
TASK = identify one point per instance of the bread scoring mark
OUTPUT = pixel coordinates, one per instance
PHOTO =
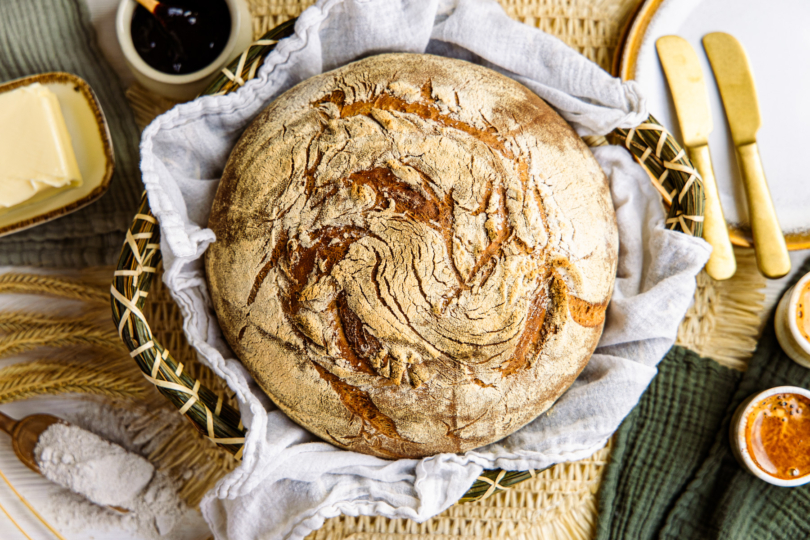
(453, 432)
(329, 246)
(388, 102)
(498, 233)
(306, 266)
(427, 91)
(587, 314)
(531, 338)
(270, 264)
(356, 341)
(387, 186)
(372, 442)
(360, 404)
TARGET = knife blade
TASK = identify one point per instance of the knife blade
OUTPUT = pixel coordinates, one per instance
(732, 73)
(691, 99)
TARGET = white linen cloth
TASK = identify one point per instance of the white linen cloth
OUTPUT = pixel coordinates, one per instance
(289, 482)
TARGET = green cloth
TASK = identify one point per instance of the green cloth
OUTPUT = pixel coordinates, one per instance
(672, 474)
(38, 36)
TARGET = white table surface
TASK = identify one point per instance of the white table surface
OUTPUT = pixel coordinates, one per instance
(32, 486)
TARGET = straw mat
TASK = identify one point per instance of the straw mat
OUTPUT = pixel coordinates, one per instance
(559, 503)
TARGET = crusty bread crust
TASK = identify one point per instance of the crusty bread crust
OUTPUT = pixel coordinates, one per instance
(414, 255)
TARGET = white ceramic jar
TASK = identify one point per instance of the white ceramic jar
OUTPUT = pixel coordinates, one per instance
(790, 338)
(737, 438)
(189, 85)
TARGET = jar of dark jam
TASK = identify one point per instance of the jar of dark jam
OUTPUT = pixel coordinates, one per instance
(182, 36)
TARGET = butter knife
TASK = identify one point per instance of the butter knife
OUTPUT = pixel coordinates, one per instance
(691, 99)
(736, 84)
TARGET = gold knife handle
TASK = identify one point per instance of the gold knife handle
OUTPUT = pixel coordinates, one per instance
(772, 255)
(722, 263)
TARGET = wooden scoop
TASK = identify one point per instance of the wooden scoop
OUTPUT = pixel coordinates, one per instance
(179, 21)
(168, 15)
(25, 434)
(150, 5)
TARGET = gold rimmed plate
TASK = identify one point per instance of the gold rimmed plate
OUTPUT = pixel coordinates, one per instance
(92, 145)
(783, 84)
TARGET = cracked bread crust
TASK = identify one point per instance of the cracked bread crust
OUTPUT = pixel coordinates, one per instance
(414, 255)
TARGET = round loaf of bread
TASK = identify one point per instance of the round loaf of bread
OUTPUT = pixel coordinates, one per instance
(413, 255)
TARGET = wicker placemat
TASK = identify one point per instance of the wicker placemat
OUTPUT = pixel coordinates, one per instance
(726, 318)
(560, 502)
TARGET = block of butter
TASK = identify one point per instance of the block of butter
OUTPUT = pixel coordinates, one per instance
(36, 155)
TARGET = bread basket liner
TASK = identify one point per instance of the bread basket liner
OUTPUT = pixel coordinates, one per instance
(289, 481)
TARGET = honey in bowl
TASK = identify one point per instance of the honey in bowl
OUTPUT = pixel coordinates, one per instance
(777, 435)
(803, 312)
(181, 36)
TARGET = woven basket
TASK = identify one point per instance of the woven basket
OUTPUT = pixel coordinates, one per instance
(670, 171)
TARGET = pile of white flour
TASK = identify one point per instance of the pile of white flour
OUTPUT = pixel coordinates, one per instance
(96, 470)
(85, 463)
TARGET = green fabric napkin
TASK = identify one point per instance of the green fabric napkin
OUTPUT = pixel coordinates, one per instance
(672, 474)
(37, 36)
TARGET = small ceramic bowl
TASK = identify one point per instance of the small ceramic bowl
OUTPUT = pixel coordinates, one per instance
(737, 436)
(787, 330)
(189, 85)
